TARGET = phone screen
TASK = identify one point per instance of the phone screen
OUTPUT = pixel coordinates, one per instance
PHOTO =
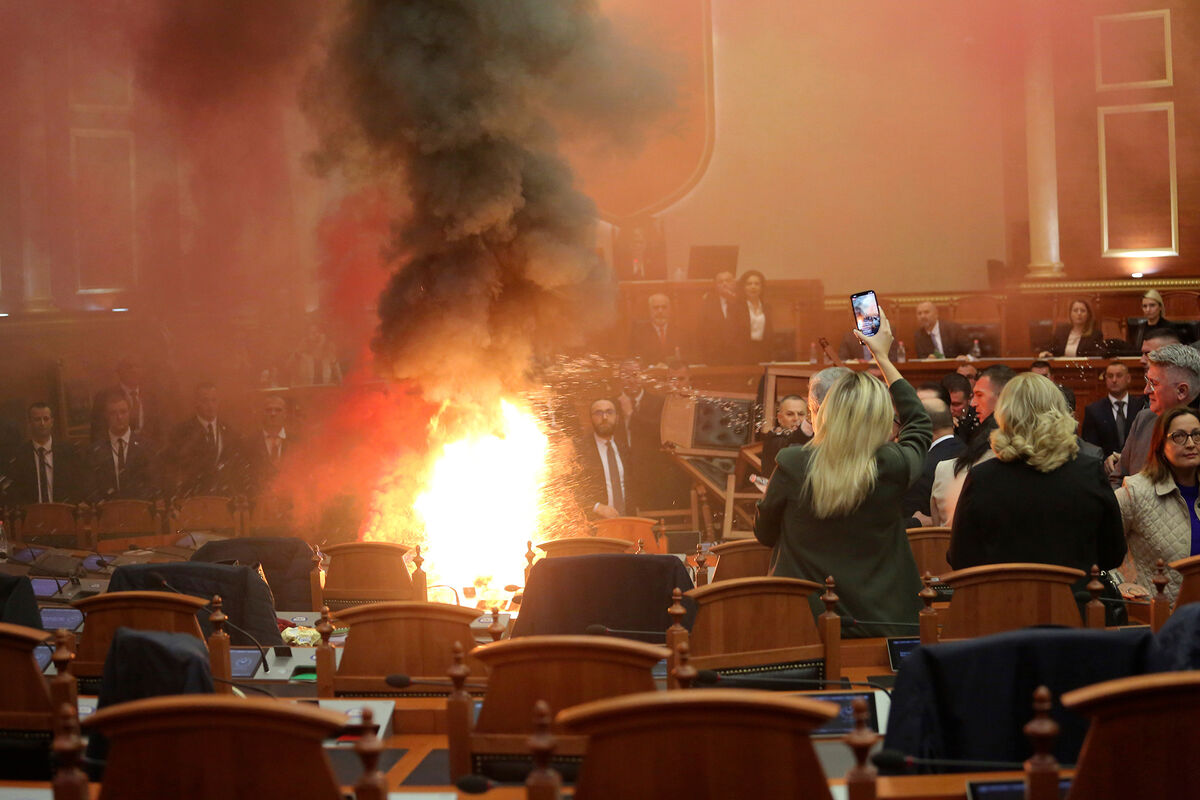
(866, 312)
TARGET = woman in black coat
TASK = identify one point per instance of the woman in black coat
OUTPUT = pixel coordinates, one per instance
(1079, 338)
(1039, 500)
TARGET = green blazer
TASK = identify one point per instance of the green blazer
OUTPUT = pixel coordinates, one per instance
(866, 551)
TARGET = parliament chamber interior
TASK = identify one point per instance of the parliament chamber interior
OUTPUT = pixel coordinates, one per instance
(698, 399)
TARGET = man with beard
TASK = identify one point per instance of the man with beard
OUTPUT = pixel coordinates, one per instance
(604, 466)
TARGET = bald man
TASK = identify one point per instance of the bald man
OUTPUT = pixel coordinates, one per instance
(938, 338)
(657, 340)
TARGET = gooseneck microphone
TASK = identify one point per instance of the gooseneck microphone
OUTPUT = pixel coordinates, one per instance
(246, 687)
(401, 681)
(603, 630)
(897, 761)
(708, 677)
(262, 651)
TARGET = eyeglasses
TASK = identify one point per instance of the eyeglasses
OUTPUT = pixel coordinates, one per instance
(1152, 384)
(1180, 437)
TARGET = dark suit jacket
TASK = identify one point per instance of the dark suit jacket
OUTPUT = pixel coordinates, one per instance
(1134, 334)
(723, 337)
(644, 343)
(192, 469)
(67, 475)
(954, 340)
(1100, 428)
(1008, 511)
(139, 481)
(917, 498)
(260, 470)
(153, 413)
(592, 488)
(1088, 345)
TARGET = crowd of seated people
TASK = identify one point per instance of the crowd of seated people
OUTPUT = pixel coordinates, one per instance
(133, 453)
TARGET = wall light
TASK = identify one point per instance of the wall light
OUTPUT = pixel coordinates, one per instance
(120, 309)
(1136, 275)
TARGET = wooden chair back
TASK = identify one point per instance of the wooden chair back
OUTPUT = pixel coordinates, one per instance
(1189, 588)
(366, 572)
(211, 747)
(120, 524)
(1002, 597)
(25, 702)
(60, 524)
(762, 622)
(563, 671)
(742, 559)
(1181, 305)
(1164, 711)
(929, 547)
(632, 741)
(206, 513)
(408, 637)
(585, 546)
(147, 611)
(633, 529)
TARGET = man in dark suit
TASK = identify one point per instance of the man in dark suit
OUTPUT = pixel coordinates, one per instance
(661, 484)
(945, 446)
(274, 444)
(1106, 422)
(45, 470)
(606, 472)
(658, 340)
(936, 337)
(146, 413)
(724, 323)
(122, 464)
(204, 454)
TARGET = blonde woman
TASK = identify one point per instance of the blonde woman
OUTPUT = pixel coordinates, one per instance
(1039, 500)
(834, 506)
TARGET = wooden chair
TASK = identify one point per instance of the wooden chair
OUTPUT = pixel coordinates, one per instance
(120, 524)
(1189, 588)
(929, 548)
(150, 611)
(756, 625)
(983, 309)
(1003, 597)
(584, 546)
(366, 572)
(206, 513)
(742, 559)
(58, 524)
(633, 530)
(408, 637)
(1153, 722)
(208, 747)
(560, 670)
(28, 700)
(1181, 305)
(673, 746)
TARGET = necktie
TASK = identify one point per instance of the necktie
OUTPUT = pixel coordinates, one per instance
(210, 441)
(43, 483)
(120, 460)
(614, 479)
(276, 449)
(662, 336)
(1119, 418)
(135, 409)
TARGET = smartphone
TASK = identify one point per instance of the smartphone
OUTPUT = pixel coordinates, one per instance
(866, 312)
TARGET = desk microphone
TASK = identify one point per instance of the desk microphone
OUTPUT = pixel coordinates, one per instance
(846, 621)
(262, 651)
(896, 761)
(475, 784)
(604, 630)
(401, 681)
(708, 677)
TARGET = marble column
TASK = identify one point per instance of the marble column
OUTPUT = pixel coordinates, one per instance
(1040, 159)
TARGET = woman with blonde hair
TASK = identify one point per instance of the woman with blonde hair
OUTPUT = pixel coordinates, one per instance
(835, 506)
(1039, 500)
(1078, 338)
(1159, 504)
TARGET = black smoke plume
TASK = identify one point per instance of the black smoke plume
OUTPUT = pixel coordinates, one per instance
(462, 101)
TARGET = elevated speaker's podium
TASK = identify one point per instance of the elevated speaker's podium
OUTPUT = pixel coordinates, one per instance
(678, 745)
(217, 748)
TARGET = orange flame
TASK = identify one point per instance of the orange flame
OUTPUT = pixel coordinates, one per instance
(480, 498)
